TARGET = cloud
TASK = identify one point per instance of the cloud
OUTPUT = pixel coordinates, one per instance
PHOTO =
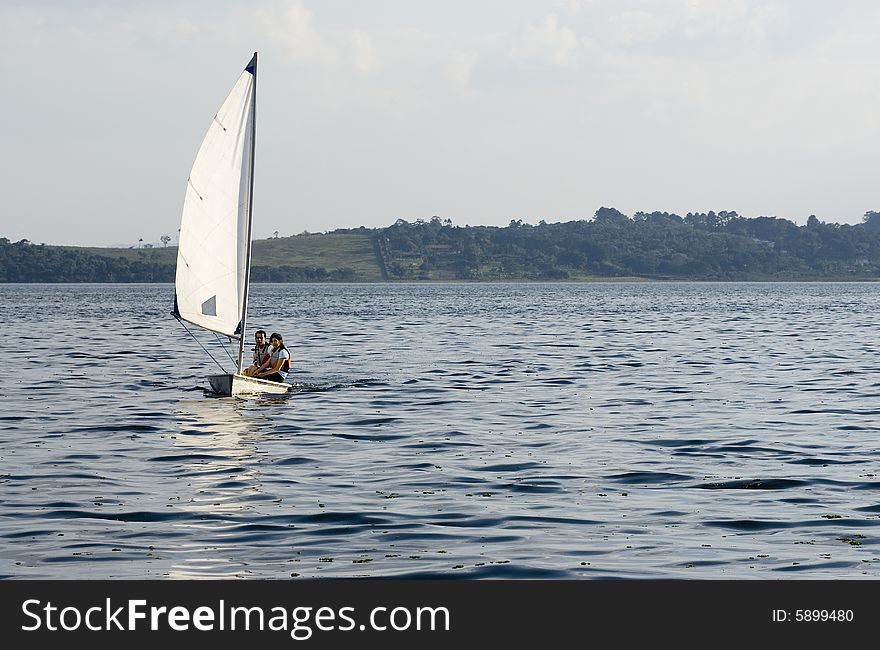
(290, 27)
(631, 27)
(459, 70)
(743, 19)
(364, 54)
(768, 20)
(574, 6)
(547, 42)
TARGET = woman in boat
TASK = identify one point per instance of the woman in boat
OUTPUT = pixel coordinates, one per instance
(279, 361)
(262, 351)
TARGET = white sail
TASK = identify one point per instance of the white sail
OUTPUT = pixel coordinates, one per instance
(214, 254)
(214, 250)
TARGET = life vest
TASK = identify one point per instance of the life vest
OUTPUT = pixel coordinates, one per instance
(285, 363)
(260, 359)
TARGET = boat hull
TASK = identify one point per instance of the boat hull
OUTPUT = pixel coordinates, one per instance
(228, 385)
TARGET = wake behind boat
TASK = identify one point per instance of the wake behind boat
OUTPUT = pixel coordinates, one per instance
(214, 253)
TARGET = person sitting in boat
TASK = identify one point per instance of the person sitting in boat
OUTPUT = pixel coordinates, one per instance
(279, 361)
(262, 352)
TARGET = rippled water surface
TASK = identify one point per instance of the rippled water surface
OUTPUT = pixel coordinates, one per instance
(459, 430)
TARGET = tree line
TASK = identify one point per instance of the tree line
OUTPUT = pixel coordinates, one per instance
(655, 245)
(23, 261)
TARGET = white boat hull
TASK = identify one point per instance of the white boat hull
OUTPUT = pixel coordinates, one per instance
(228, 385)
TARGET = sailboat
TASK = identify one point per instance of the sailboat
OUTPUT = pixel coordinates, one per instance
(214, 253)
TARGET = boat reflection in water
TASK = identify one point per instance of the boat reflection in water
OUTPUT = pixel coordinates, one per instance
(218, 456)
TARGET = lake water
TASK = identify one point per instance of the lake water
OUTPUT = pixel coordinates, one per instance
(656, 430)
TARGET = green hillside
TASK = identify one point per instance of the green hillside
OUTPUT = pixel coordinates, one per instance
(157, 255)
(612, 245)
(330, 251)
(309, 257)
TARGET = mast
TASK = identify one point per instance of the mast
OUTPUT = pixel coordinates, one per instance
(252, 66)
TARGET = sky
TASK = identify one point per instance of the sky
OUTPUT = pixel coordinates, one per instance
(479, 111)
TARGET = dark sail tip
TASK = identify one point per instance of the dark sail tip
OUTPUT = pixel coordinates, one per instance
(252, 66)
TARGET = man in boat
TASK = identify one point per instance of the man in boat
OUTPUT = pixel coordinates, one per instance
(262, 352)
(278, 366)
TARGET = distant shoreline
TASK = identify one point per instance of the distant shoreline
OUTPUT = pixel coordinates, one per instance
(612, 247)
(507, 281)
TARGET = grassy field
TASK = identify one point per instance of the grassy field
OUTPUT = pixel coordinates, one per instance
(332, 251)
(320, 251)
(160, 255)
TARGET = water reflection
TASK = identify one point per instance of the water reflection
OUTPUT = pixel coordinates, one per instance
(216, 443)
